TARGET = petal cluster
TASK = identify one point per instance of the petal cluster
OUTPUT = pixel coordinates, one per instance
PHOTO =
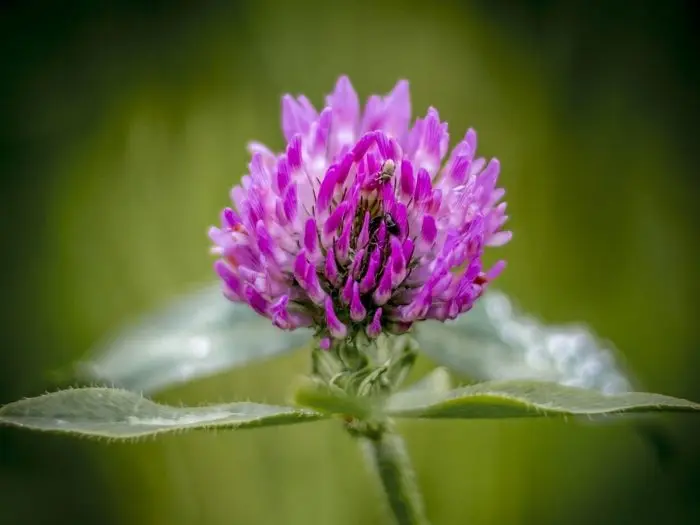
(364, 223)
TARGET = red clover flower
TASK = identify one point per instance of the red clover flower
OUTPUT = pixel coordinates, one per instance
(358, 225)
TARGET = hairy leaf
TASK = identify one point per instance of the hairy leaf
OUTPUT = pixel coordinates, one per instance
(508, 399)
(120, 414)
(200, 334)
(494, 342)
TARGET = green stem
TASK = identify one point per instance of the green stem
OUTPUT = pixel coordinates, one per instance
(387, 454)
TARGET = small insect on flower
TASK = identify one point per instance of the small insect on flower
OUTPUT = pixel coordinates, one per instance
(364, 223)
(391, 227)
(387, 172)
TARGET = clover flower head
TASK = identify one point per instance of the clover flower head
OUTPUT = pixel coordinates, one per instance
(361, 224)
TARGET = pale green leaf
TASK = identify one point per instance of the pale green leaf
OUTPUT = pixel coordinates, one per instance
(437, 381)
(508, 399)
(494, 342)
(198, 335)
(120, 414)
(435, 384)
(329, 399)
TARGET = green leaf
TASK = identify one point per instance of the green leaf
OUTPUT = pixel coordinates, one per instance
(436, 381)
(508, 399)
(494, 342)
(120, 414)
(331, 400)
(200, 334)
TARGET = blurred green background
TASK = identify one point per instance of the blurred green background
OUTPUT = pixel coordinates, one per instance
(123, 128)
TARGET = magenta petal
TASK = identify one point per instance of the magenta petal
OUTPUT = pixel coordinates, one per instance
(388, 147)
(279, 213)
(413, 311)
(357, 309)
(363, 145)
(443, 283)
(319, 142)
(496, 196)
(326, 190)
(369, 281)
(283, 176)
(280, 315)
(388, 197)
(433, 134)
(314, 289)
(408, 249)
(499, 239)
(400, 215)
(470, 138)
(372, 118)
(230, 219)
(336, 328)
(353, 201)
(423, 186)
(428, 230)
(290, 202)
(265, 242)
(331, 268)
(363, 238)
(300, 265)
(356, 265)
(289, 120)
(228, 276)
(342, 246)
(344, 167)
(336, 219)
(255, 300)
(496, 270)
(313, 286)
(373, 164)
(294, 153)
(459, 169)
(310, 236)
(490, 174)
(398, 263)
(381, 234)
(398, 110)
(383, 292)
(345, 103)
(375, 327)
(346, 293)
(433, 205)
(407, 180)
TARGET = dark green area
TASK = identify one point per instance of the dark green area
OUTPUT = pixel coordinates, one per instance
(123, 128)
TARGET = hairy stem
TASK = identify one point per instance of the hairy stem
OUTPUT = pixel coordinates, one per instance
(387, 455)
